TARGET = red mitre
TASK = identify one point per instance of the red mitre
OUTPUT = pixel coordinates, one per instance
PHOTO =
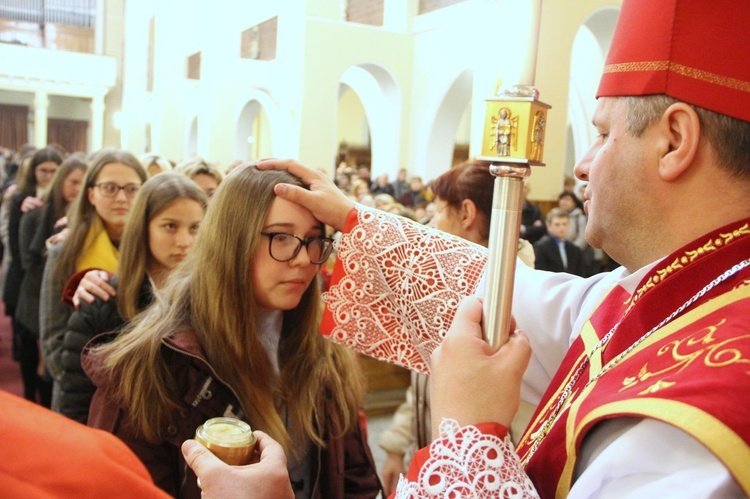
(693, 50)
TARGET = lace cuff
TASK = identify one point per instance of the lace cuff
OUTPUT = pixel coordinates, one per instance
(465, 462)
(396, 287)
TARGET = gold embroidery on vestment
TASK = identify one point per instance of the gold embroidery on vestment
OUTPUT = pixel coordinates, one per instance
(701, 344)
(680, 69)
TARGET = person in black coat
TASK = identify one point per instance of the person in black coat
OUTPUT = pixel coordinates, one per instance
(37, 226)
(43, 166)
(532, 222)
(553, 252)
(88, 321)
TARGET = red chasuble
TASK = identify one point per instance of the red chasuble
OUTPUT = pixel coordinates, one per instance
(691, 371)
(396, 287)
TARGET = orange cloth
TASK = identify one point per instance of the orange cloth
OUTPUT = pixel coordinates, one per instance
(46, 455)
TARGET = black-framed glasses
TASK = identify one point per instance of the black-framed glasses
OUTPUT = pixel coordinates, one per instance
(283, 246)
(110, 189)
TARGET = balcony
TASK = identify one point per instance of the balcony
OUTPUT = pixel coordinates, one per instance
(67, 25)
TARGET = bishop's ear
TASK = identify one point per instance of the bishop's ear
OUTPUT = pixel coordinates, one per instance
(680, 134)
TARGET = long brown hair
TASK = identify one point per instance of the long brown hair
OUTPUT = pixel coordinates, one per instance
(55, 206)
(82, 213)
(156, 195)
(211, 295)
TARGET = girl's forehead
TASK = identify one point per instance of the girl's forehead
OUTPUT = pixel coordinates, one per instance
(117, 170)
(283, 212)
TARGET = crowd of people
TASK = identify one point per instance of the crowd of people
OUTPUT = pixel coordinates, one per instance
(636, 375)
(92, 242)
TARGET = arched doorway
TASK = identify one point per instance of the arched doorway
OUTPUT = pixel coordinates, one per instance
(352, 129)
(253, 133)
(589, 52)
(448, 142)
(380, 98)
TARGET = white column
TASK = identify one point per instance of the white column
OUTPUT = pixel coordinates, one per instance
(511, 28)
(96, 128)
(398, 15)
(41, 106)
(99, 24)
(528, 71)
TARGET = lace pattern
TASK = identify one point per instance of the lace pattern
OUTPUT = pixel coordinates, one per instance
(402, 286)
(466, 463)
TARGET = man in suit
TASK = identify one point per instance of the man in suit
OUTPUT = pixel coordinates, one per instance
(554, 252)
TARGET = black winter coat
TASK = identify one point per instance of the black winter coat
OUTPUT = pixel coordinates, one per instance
(15, 270)
(345, 468)
(89, 320)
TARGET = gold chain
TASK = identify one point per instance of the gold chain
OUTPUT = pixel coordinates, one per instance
(539, 435)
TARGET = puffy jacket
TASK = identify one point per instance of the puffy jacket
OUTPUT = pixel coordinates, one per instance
(344, 468)
(89, 320)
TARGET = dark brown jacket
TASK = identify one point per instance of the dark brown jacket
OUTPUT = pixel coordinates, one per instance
(344, 468)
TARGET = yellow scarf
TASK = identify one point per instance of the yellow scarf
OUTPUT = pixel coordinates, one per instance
(98, 252)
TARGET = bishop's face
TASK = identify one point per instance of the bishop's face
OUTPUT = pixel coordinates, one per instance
(621, 171)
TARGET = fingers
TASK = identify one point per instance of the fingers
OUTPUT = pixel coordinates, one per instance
(61, 222)
(390, 472)
(307, 175)
(468, 318)
(323, 199)
(269, 449)
(95, 284)
(516, 353)
(294, 193)
(198, 457)
(29, 203)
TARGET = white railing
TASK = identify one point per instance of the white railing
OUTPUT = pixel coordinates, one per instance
(81, 13)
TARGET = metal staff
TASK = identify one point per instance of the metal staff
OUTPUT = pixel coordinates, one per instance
(516, 121)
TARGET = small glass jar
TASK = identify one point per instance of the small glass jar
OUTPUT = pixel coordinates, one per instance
(230, 439)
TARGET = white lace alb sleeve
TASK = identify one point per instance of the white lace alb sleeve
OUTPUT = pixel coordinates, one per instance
(466, 463)
(396, 287)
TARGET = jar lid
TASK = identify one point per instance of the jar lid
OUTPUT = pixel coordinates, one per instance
(228, 432)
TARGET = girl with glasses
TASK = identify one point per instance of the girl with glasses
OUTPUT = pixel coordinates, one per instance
(97, 222)
(30, 190)
(235, 333)
(159, 235)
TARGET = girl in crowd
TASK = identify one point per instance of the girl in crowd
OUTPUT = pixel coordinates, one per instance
(31, 188)
(206, 175)
(36, 227)
(235, 332)
(155, 164)
(577, 229)
(159, 234)
(97, 221)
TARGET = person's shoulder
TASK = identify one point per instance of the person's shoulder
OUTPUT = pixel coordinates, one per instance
(543, 242)
(573, 248)
(108, 463)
